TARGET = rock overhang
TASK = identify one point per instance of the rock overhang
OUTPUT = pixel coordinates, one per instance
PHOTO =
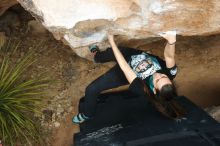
(80, 23)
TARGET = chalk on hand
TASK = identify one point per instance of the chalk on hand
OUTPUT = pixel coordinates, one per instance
(171, 32)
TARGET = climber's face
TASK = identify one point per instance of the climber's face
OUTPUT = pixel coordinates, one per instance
(159, 80)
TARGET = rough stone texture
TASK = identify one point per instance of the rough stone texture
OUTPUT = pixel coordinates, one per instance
(5, 4)
(80, 23)
(9, 22)
(36, 28)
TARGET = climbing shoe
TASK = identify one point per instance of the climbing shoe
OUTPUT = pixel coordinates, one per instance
(94, 49)
(79, 118)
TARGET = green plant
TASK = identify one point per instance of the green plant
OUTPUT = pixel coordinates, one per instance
(20, 100)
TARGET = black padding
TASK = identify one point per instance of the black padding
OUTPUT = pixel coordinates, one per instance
(123, 119)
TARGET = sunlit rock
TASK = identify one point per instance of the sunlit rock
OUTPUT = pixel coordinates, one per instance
(80, 23)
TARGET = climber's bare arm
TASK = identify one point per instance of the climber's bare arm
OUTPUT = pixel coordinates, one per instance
(169, 51)
(129, 73)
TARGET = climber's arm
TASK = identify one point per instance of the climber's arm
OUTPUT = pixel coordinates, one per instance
(129, 73)
(169, 51)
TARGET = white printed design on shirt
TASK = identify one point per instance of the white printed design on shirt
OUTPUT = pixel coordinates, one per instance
(152, 65)
(173, 71)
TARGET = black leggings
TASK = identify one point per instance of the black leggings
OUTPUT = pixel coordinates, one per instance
(111, 79)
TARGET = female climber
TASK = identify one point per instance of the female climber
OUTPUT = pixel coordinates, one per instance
(147, 75)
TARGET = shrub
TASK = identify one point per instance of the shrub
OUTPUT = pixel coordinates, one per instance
(20, 100)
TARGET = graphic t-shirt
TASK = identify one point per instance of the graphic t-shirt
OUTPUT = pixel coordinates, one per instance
(151, 65)
(145, 65)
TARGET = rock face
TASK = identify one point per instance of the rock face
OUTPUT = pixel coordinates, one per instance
(83, 22)
(5, 4)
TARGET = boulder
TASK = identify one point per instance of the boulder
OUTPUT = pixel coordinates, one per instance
(80, 23)
(36, 28)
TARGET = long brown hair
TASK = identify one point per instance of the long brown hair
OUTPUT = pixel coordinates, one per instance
(165, 102)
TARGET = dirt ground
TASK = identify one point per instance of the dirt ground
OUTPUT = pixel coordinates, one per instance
(198, 60)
